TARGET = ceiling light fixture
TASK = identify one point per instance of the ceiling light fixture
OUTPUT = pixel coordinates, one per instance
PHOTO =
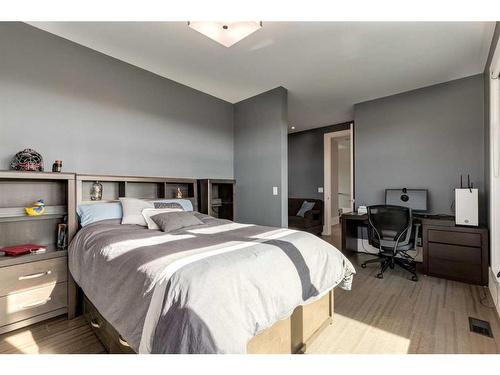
(226, 33)
(292, 127)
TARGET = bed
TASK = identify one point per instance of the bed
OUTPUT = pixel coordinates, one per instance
(216, 287)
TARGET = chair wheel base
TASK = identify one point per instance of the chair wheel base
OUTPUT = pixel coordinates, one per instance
(414, 278)
(363, 265)
(380, 275)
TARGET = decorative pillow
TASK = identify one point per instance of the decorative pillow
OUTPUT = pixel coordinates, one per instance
(148, 212)
(171, 221)
(132, 210)
(184, 203)
(90, 213)
(168, 205)
(306, 206)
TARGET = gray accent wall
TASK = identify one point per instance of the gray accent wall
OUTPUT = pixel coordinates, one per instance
(423, 138)
(260, 158)
(306, 161)
(101, 115)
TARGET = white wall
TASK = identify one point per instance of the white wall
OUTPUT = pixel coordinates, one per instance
(492, 138)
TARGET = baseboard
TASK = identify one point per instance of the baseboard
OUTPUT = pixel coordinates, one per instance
(494, 288)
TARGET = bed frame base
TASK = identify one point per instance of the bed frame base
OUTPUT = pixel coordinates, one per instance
(295, 334)
(288, 336)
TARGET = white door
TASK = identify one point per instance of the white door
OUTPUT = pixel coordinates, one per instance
(338, 176)
(343, 170)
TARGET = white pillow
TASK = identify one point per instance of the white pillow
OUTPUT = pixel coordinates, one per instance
(132, 210)
(306, 206)
(148, 212)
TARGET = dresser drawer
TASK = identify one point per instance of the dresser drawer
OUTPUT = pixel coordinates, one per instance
(32, 275)
(455, 253)
(466, 272)
(23, 305)
(455, 238)
(108, 336)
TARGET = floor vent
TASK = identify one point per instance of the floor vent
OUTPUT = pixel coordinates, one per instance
(480, 326)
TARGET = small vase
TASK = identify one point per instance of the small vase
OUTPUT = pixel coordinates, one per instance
(178, 195)
(96, 191)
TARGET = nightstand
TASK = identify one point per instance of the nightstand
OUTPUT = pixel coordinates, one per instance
(33, 288)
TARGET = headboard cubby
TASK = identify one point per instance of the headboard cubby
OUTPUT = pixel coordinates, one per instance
(115, 187)
(21, 189)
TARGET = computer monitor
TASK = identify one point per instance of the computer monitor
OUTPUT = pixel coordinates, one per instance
(416, 199)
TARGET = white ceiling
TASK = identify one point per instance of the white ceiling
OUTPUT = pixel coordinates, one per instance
(327, 67)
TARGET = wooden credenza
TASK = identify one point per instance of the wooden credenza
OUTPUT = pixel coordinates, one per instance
(455, 252)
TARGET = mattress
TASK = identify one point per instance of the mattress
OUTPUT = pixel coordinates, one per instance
(204, 289)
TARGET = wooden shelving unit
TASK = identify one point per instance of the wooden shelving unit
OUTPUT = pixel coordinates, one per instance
(217, 198)
(35, 287)
(22, 189)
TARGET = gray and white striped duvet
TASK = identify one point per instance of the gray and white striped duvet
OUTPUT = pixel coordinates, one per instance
(204, 289)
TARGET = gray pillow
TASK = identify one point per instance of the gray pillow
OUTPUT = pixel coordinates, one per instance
(170, 221)
(306, 206)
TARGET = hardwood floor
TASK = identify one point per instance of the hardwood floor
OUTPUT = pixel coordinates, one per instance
(392, 315)
(397, 315)
(54, 336)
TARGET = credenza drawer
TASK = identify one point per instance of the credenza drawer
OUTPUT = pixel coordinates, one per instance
(455, 253)
(23, 305)
(466, 272)
(26, 276)
(455, 238)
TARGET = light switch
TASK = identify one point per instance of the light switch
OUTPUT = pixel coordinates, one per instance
(275, 190)
(320, 189)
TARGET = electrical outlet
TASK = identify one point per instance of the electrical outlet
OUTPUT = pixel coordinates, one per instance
(320, 189)
(275, 190)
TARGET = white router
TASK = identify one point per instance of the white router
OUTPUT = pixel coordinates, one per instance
(466, 205)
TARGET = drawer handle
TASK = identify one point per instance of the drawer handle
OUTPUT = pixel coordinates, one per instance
(94, 323)
(36, 304)
(34, 275)
(122, 341)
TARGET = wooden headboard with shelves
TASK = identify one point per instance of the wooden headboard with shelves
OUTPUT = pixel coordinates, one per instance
(115, 187)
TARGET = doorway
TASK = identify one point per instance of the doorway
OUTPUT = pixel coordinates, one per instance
(338, 177)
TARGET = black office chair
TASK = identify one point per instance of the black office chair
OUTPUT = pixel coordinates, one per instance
(391, 231)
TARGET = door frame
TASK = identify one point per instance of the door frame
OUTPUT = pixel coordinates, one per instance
(327, 183)
(494, 170)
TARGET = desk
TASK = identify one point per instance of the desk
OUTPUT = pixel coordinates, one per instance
(449, 251)
(350, 224)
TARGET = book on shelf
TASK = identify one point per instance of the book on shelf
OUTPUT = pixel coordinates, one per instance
(23, 249)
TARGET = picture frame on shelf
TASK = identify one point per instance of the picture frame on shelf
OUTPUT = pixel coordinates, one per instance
(62, 236)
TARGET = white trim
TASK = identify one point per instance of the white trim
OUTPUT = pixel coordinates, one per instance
(495, 62)
(494, 288)
(494, 198)
(327, 162)
(495, 162)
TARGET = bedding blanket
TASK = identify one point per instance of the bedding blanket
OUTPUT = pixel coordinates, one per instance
(204, 289)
